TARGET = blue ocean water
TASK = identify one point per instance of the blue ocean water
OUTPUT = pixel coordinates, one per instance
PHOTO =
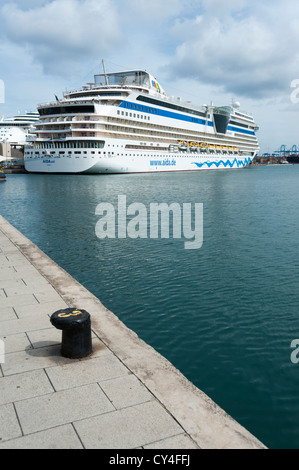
(225, 314)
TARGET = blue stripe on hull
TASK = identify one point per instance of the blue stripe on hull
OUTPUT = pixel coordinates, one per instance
(181, 117)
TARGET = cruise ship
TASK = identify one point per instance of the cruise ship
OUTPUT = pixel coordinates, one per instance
(124, 122)
(18, 129)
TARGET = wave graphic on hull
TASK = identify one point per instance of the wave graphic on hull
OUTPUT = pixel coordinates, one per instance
(228, 163)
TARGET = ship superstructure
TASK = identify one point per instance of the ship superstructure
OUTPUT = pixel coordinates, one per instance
(125, 123)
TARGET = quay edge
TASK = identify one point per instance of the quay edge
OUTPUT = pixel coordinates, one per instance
(204, 421)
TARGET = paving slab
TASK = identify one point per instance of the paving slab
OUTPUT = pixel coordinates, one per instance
(2, 294)
(101, 368)
(127, 428)
(45, 289)
(12, 283)
(60, 437)
(9, 274)
(7, 313)
(124, 395)
(67, 406)
(46, 308)
(32, 359)
(22, 386)
(22, 299)
(30, 323)
(180, 441)
(17, 342)
(9, 424)
(126, 391)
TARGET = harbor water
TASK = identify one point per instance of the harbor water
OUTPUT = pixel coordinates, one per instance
(225, 314)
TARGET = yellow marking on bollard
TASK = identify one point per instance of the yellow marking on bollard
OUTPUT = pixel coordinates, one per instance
(73, 314)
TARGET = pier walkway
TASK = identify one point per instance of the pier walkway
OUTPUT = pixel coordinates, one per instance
(123, 396)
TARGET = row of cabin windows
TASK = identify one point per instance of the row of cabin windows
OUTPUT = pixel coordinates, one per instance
(141, 116)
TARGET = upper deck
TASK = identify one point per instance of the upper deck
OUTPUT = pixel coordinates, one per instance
(131, 79)
(129, 88)
(137, 80)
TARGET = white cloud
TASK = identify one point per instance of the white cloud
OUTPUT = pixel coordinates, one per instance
(156, 9)
(245, 55)
(221, 8)
(62, 32)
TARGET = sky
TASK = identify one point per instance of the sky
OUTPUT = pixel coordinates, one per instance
(200, 50)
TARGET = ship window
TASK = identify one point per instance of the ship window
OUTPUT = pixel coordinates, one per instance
(73, 109)
(169, 105)
(238, 124)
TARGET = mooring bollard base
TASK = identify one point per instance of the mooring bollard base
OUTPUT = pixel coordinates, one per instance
(76, 332)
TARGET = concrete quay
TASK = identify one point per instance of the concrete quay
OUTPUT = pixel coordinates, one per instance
(123, 396)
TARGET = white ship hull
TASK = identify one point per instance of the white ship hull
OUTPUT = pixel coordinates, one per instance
(131, 162)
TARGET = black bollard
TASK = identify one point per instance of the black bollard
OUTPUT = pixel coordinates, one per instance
(76, 332)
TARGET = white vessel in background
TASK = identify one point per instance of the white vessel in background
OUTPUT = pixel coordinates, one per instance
(125, 123)
(16, 130)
